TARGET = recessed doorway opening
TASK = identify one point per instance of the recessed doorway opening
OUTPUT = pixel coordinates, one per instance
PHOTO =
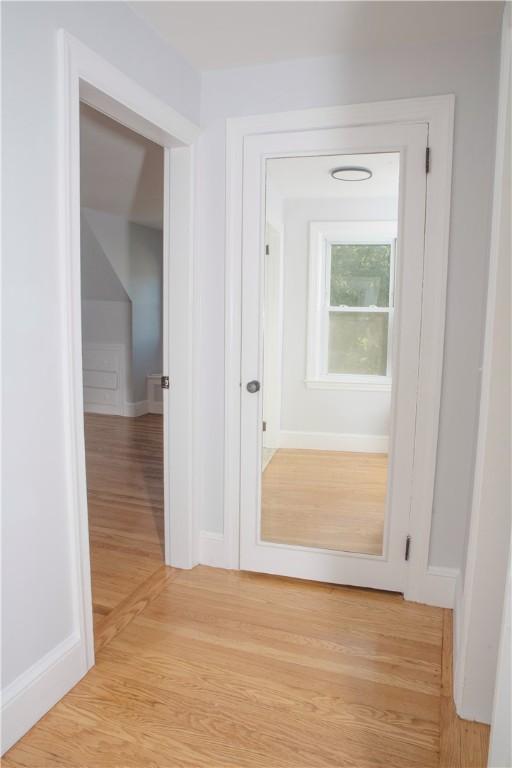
(91, 80)
(121, 227)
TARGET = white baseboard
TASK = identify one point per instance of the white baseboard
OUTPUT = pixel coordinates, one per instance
(136, 409)
(105, 410)
(331, 441)
(130, 410)
(38, 689)
(438, 587)
(212, 550)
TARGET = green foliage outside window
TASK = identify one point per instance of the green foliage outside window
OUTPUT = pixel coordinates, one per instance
(360, 275)
(358, 343)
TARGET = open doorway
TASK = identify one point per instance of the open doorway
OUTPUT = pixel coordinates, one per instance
(121, 238)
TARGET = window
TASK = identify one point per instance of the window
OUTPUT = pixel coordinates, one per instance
(351, 304)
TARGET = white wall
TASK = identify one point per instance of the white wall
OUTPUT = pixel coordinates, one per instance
(479, 607)
(469, 70)
(134, 254)
(106, 322)
(36, 558)
(322, 410)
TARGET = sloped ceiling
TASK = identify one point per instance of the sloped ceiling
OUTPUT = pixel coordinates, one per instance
(99, 282)
(121, 172)
(213, 35)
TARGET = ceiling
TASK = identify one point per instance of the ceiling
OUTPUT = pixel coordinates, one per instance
(215, 35)
(121, 172)
(309, 177)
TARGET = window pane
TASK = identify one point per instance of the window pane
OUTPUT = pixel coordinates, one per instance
(360, 275)
(358, 342)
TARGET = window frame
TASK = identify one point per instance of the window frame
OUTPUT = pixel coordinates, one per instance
(323, 235)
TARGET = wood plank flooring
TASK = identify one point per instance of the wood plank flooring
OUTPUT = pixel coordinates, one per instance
(124, 458)
(327, 499)
(225, 668)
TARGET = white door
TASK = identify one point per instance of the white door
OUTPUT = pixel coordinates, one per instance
(328, 498)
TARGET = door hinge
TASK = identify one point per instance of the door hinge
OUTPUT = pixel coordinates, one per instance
(264, 426)
(407, 547)
(164, 382)
(427, 160)
(267, 250)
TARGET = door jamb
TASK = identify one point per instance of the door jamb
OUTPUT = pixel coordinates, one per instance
(86, 76)
(424, 584)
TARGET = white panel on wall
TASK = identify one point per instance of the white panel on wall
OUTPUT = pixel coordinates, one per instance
(101, 379)
(104, 376)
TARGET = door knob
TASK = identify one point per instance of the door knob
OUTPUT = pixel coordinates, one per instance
(253, 386)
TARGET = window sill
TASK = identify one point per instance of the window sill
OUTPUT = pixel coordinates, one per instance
(361, 385)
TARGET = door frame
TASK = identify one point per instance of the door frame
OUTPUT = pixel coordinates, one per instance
(426, 584)
(86, 76)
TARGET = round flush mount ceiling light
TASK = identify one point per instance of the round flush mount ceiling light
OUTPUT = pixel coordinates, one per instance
(351, 173)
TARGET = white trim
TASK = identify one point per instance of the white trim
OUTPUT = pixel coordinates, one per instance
(109, 90)
(181, 534)
(84, 74)
(331, 441)
(39, 688)
(130, 410)
(439, 586)
(103, 410)
(212, 550)
(438, 112)
(153, 385)
(273, 333)
(356, 384)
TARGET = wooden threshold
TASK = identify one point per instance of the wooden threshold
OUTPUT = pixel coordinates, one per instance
(119, 618)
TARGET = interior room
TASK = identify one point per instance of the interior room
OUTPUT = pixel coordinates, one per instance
(121, 222)
(256, 384)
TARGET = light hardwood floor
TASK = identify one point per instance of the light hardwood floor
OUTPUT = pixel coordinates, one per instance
(125, 496)
(327, 499)
(233, 669)
(221, 668)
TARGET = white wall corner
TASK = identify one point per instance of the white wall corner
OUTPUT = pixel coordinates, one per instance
(212, 550)
(40, 687)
